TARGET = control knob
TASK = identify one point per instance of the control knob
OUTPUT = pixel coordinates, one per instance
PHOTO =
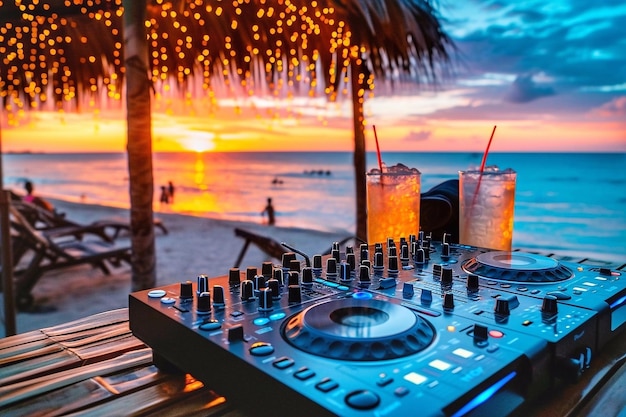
(446, 277)
(307, 275)
(364, 251)
(294, 278)
(251, 272)
(344, 272)
(393, 264)
(287, 258)
(445, 251)
(378, 261)
(265, 299)
(294, 265)
(404, 255)
(351, 261)
(426, 297)
(294, 295)
(549, 306)
(234, 276)
(448, 301)
(218, 296)
(317, 262)
(203, 284)
(267, 268)
(419, 257)
(331, 268)
(278, 276)
(274, 287)
(259, 282)
(407, 290)
(502, 307)
(364, 274)
(203, 305)
(247, 290)
(472, 282)
(481, 334)
(186, 291)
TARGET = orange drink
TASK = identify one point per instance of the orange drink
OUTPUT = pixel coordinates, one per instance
(486, 204)
(393, 203)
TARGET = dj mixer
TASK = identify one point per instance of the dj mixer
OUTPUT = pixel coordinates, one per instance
(414, 327)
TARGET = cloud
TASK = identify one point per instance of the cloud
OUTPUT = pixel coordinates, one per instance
(418, 136)
(615, 107)
(577, 44)
(524, 89)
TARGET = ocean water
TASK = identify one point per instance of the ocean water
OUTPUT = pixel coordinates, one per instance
(572, 204)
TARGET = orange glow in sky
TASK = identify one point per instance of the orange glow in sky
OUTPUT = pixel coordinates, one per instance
(403, 124)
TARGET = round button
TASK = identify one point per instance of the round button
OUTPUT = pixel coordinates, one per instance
(277, 316)
(261, 349)
(362, 295)
(362, 399)
(156, 293)
(210, 325)
(496, 334)
(261, 321)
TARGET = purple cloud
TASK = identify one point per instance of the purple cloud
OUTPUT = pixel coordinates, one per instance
(524, 89)
(420, 136)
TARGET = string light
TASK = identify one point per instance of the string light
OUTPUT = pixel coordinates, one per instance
(58, 54)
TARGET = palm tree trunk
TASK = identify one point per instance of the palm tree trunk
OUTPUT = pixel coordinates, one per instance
(359, 151)
(139, 146)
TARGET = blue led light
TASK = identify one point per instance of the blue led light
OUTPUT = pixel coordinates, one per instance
(362, 295)
(277, 316)
(485, 395)
(261, 321)
(618, 302)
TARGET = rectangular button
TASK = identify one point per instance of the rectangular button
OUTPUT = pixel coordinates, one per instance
(326, 385)
(439, 364)
(415, 378)
(463, 353)
(304, 373)
(282, 363)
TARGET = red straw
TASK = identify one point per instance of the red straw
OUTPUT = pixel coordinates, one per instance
(482, 168)
(482, 165)
(380, 159)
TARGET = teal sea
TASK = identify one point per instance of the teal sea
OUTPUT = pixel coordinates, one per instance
(571, 203)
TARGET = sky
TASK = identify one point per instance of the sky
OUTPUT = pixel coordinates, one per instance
(550, 74)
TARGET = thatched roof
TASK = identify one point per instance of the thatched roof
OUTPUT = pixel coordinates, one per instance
(62, 49)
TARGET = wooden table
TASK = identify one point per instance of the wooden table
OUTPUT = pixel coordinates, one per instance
(96, 367)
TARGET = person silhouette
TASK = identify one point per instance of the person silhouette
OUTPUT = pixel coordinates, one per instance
(171, 189)
(165, 197)
(31, 198)
(269, 209)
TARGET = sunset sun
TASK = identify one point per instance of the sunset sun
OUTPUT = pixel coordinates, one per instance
(198, 141)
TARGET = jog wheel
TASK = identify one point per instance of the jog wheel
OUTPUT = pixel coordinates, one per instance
(517, 267)
(358, 330)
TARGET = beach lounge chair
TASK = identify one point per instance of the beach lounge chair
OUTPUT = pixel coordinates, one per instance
(271, 247)
(58, 248)
(45, 220)
(268, 245)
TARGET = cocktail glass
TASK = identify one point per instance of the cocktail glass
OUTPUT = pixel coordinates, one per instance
(487, 201)
(393, 203)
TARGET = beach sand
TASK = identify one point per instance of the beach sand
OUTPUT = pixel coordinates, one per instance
(193, 246)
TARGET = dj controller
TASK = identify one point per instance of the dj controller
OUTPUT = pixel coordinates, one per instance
(414, 327)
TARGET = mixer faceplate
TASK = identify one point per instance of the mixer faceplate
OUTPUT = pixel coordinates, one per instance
(358, 330)
(517, 267)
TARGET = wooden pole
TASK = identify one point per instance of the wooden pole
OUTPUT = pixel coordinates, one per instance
(7, 255)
